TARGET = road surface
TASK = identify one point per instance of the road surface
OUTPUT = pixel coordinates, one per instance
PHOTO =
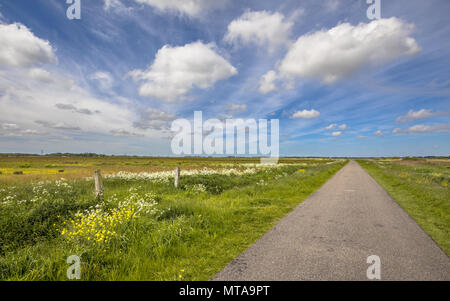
(331, 234)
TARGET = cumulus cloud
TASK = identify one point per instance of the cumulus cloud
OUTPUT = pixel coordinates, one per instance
(421, 114)
(336, 134)
(176, 70)
(261, 28)
(19, 47)
(379, 133)
(330, 55)
(331, 126)
(343, 127)
(56, 108)
(306, 114)
(421, 129)
(191, 8)
(267, 82)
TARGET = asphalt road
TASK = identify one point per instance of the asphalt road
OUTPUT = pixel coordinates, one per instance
(330, 235)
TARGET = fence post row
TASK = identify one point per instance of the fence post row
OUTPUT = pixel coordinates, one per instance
(177, 176)
(98, 185)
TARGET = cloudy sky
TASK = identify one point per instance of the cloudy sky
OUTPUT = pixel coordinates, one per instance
(113, 81)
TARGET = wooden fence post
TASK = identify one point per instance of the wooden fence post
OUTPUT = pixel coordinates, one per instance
(177, 176)
(98, 183)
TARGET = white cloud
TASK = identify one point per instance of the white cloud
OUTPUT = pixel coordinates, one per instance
(39, 102)
(336, 134)
(331, 126)
(421, 129)
(306, 114)
(267, 82)
(117, 7)
(421, 114)
(261, 28)
(379, 134)
(176, 70)
(361, 137)
(40, 75)
(330, 55)
(9, 126)
(104, 79)
(52, 108)
(343, 127)
(192, 8)
(109, 4)
(31, 132)
(19, 47)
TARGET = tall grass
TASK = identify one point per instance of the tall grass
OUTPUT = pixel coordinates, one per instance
(190, 234)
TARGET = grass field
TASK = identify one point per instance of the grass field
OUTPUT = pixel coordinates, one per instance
(145, 229)
(39, 168)
(421, 187)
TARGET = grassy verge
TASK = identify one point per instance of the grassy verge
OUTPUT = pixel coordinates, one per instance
(421, 189)
(157, 232)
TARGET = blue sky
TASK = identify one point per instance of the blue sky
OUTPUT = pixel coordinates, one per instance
(113, 81)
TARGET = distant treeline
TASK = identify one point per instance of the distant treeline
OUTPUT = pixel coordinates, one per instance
(90, 155)
(94, 155)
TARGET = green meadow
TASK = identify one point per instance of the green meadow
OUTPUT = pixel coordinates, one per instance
(144, 228)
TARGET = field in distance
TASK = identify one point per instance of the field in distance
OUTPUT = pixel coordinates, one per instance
(144, 228)
(26, 169)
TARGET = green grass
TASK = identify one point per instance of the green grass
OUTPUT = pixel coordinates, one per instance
(421, 189)
(193, 235)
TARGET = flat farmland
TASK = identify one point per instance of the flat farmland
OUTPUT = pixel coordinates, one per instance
(143, 228)
(39, 168)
